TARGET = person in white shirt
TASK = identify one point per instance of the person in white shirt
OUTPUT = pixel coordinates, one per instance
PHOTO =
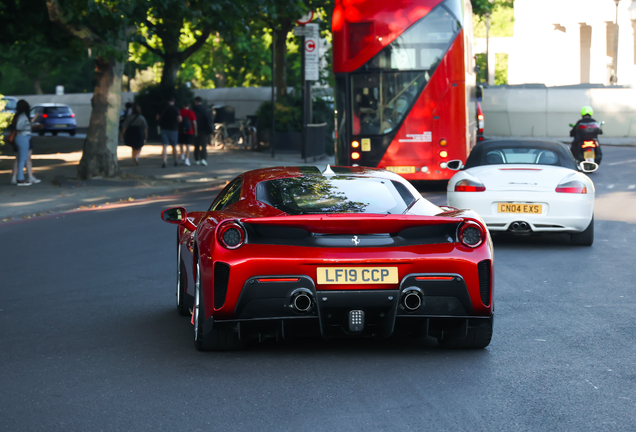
(22, 123)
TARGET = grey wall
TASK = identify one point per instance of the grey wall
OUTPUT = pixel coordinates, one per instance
(547, 112)
(245, 100)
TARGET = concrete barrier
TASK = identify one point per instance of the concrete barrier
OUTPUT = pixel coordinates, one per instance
(547, 112)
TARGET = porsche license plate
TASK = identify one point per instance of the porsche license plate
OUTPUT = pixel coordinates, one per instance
(519, 208)
(401, 169)
(357, 275)
(589, 154)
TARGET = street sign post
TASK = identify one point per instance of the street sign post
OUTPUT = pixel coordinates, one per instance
(310, 71)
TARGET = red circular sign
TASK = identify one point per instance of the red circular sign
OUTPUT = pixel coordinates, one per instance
(306, 19)
(310, 45)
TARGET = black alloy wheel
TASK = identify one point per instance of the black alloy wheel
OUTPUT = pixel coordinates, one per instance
(182, 304)
(220, 338)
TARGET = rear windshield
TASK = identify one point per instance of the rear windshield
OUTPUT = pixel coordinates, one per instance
(519, 155)
(57, 110)
(318, 194)
(10, 104)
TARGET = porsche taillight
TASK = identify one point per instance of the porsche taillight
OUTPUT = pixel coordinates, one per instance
(231, 235)
(471, 234)
(574, 186)
(469, 186)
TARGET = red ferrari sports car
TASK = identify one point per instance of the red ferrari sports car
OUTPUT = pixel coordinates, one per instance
(346, 252)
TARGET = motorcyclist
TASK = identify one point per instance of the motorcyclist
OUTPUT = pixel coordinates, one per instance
(581, 135)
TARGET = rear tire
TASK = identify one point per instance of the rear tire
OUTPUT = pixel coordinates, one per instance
(41, 133)
(220, 338)
(476, 338)
(584, 238)
(54, 133)
(72, 133)
(182, 306)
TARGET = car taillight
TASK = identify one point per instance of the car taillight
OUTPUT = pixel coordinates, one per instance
(45, 115)
(587, 144)
(471, 234)
(469, 186)
(72, 115)
(574, 186)
(231, 235)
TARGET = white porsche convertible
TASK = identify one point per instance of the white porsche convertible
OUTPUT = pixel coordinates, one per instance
(526, 187)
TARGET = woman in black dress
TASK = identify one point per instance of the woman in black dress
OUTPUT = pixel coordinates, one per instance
(135, 132)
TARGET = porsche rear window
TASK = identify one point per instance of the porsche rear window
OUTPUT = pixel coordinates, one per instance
(337, 194)
(520, 154)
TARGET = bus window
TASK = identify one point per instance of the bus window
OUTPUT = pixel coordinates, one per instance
(382, 95)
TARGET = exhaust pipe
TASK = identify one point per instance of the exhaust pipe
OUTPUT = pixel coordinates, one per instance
(411, 299)
(514, 226)
(524, 226)
(302, 300)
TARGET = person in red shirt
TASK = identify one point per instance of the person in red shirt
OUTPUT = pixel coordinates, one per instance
(187, 131)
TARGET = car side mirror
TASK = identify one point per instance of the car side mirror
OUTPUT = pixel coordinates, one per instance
(588, 167)
(174, 215)
(479, 92)
(603, 122)
(455, 165)
(178, 216)
(571, 125)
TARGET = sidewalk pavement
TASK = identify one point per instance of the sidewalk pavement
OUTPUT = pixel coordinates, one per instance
(55, 162)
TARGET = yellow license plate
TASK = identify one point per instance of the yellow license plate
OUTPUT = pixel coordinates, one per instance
(589, 154)
(357, 275)
(60, 125)
(401, 169)
(519, 208)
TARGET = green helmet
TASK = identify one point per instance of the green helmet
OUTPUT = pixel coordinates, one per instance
(587, 110)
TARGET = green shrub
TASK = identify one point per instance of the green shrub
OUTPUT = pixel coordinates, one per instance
(5, 119)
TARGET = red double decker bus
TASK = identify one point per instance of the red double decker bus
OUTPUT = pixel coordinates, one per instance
(405, 85)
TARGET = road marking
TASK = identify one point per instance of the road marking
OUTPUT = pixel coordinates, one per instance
(588, 381)
(540, 340)
(610, 186)
(622, 162)
(631, 187)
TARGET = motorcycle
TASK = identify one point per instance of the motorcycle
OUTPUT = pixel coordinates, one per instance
(586, 147)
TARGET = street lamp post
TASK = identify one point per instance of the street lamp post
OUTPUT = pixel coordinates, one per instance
(614, 77)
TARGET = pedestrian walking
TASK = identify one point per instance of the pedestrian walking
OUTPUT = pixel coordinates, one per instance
(135, 132)
(205, 127)
(187, 131)
(21, 123)
(169, 121)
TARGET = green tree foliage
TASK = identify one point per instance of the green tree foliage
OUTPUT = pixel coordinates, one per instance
(175, 29)
(502, 22)
(481, 8)
(501, 69)
(37, 55)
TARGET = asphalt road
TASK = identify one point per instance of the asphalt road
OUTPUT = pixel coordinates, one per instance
(90, 339)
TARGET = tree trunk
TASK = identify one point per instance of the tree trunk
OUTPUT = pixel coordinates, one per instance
(171, 66)
(37, 86)
(280, 80)
(99, 158)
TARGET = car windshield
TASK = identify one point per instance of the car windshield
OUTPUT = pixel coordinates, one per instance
(57, 110)
(337, 194)
(10, 104)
